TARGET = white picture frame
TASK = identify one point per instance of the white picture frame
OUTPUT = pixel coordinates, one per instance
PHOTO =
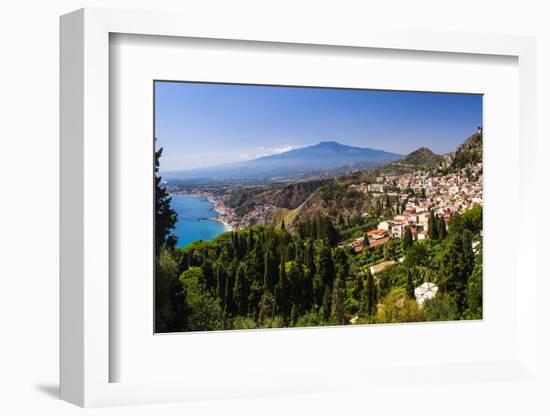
(85, 211)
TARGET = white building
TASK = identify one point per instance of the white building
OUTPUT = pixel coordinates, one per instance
(426, 290)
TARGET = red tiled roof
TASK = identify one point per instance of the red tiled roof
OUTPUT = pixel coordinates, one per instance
(378, 242)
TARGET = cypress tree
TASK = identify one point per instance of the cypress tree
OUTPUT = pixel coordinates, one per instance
(329, 232)
(371, 295)
(282, 290)
(241, 290)
(270, 269)
(290, 252)
(250, 239)
(229, 285)
(337, 313)
(358, 288)
(208, 272)
(410, 285)
(325, 306)
(341, 263)
(324, 276)
(266, 308)
(454, 268)
(293, 315)
(366, 242)
(257, 264)
(432, 227)
(220, 283)
(255, 294)
(407, 239)
(184, 262)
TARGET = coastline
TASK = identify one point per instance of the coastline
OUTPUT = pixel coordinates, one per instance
(217, 206)
(227, 227)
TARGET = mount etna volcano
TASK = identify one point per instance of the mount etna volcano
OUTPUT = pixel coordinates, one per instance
(321, 158)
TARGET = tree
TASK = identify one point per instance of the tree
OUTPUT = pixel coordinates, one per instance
(371, 296)
(410, 285)
(241, 290)
(341, 261)
(325, 306)
(250, 239)
(229, 303)
(358, 288)
(171, 310)
(474, 292)
(397, 307)
(407, 239)
(220, 281)
(266, 308)
(469, 258)
(416, 255)
(441, 308)
(205, 313)
(454, 271)
(325, 272)
(341, 221)
(271, 268)
(473, 219)
(366, 242)
(329, 232)
(337, 313)
(208, 272)
(390, 249)
(441, 228)
(293, 315)
(282, 290)
(432, 227)
(165, 216)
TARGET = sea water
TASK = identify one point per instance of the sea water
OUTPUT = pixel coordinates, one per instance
(196, 219)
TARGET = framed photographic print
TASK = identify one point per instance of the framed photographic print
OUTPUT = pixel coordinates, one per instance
(258, 212)
(267, 222)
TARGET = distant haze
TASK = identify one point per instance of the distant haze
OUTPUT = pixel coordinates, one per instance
(202, 125)
(322, 157)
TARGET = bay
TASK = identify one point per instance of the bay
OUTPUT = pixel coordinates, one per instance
(196, 219)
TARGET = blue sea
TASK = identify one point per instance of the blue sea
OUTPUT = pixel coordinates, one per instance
(195, 219)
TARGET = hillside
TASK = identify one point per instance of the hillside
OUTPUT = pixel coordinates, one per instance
(469, 152)
(289, 196)
(304, 199)
(422, 157)
(313, 160)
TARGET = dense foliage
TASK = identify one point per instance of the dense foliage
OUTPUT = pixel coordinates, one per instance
(265, 277)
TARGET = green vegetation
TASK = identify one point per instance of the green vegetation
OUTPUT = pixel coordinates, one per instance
(469, 152)
(265, 277)
(297, 271)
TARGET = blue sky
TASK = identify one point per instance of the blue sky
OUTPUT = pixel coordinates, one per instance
(208, 124)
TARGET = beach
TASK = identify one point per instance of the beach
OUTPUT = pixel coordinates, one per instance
(199, 218)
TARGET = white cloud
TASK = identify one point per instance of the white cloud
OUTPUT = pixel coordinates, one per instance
(262, 151)
(268, 151)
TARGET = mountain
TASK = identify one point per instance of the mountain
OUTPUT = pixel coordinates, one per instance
(316, 159)
(469, 152)
(422, 157)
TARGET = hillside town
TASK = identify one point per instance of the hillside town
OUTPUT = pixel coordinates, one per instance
(418, 194)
